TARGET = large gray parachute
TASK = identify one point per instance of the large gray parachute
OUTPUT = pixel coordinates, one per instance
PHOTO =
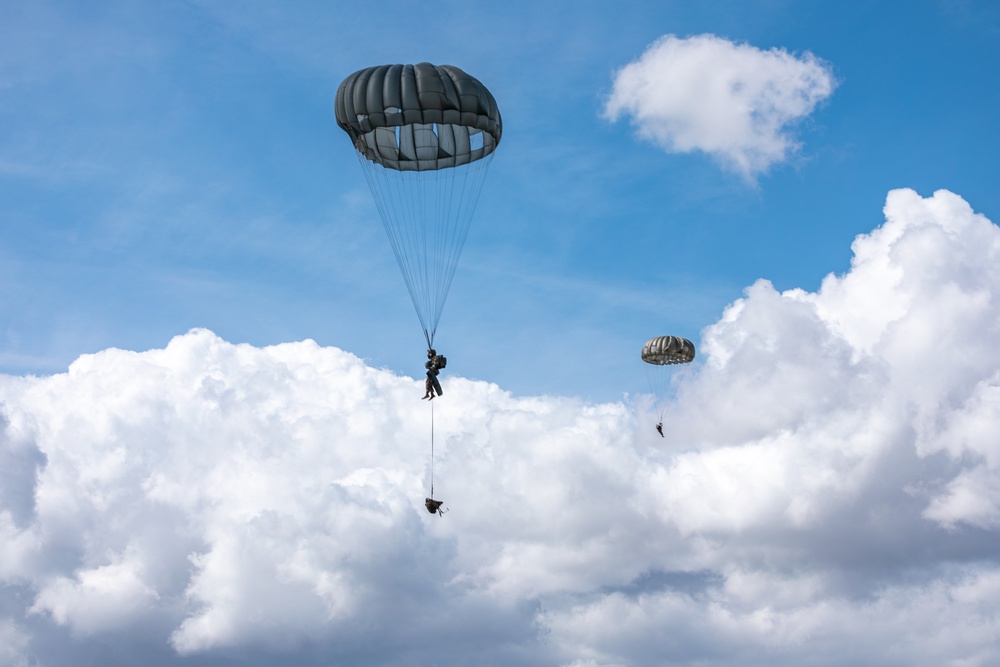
(668, 350)
(425, 136)
(418, 117)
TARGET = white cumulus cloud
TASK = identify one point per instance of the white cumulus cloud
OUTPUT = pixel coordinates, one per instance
(735, 102)
(828, 493)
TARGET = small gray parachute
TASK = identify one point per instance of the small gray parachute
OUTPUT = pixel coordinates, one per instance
(668, 350)
(659, 353)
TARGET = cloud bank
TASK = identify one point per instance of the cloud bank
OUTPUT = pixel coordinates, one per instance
(732, 101)
(828, 493)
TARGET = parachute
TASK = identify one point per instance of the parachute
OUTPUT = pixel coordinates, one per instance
(425, 136)
(667, 351)
(659, 353)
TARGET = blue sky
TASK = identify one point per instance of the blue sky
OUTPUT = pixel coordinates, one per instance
(211, 447)
(176, 166)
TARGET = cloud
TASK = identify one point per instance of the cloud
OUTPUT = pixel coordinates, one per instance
(13, 643)
(827, 493)
(733, 101)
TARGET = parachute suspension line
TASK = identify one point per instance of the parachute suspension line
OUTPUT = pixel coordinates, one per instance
(458, 204)
(426, 216)
(659, 381)
(398, 212)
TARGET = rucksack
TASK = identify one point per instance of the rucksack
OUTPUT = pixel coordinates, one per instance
(442, 361)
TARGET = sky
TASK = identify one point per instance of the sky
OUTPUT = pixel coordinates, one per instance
(212, 450)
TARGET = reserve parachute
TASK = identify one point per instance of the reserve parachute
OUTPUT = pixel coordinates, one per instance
(425, 136)
(660, 353)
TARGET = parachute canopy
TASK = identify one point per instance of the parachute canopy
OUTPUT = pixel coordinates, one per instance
(425, 136)
(668, 350)
(418, 117)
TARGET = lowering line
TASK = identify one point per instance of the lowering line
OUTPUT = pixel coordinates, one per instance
(433, 506)
(432, 448)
